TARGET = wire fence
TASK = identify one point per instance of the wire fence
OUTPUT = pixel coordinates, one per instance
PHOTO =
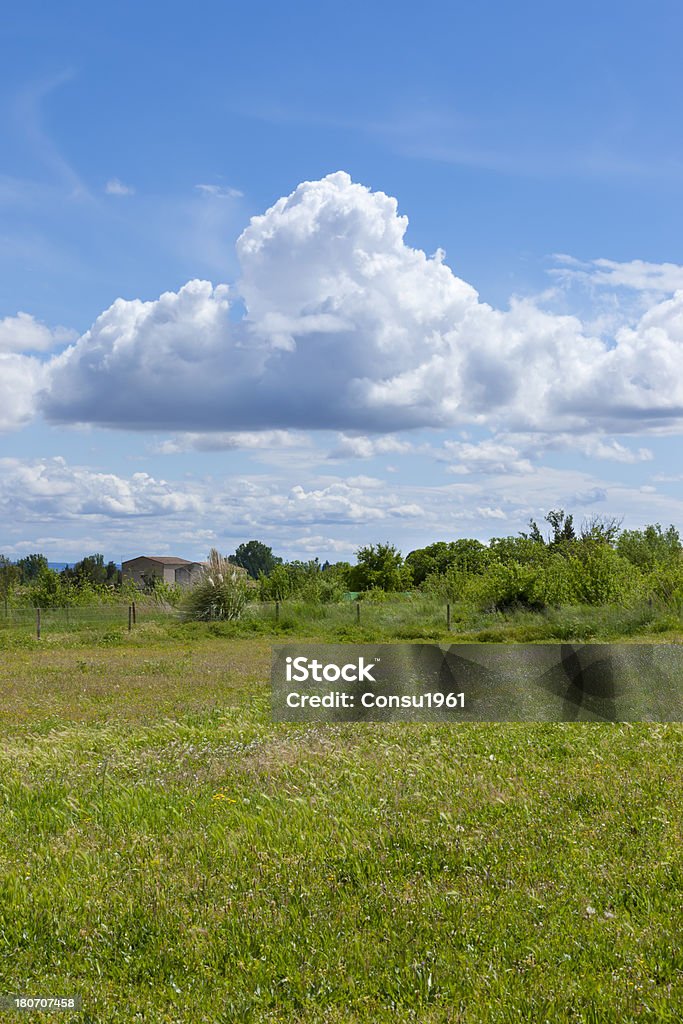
(284, 614)
(74, 617)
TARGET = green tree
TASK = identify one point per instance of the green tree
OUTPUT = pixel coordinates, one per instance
(277, 586)
(9, 577)
(256, 558)
(380, 566)
(92, 569)
(435, 558)
(534, 533)
(522, 549)
(464, 555)
(47, 590)
(650, 547)
(31, 566)
(562, 527)
(600, 529)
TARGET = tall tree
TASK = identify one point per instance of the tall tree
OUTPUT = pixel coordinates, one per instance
(9, 576)
(93, 570)
(563, 526)
(255, 557)
(31, 566)
(380, 566)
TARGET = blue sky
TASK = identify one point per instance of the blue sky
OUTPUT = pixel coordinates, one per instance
(333, 375)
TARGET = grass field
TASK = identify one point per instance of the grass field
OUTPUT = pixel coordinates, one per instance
(403, 617)
(171, 855)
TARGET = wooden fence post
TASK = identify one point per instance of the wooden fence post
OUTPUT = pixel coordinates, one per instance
(277, 611)
(37, 623)
(448, 617)
(135, 619)
(358, 612)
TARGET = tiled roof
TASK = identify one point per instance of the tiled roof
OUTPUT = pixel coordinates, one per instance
(164, 559)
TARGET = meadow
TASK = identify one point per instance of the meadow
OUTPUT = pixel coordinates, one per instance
(395, 618)
(171, 855)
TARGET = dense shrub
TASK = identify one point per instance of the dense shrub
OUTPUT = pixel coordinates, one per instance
(441, 558)
(650, 547)
(221, 592)
(504, 585)
(380, 566)
(305, 581)
(601, 576)
(665, 585)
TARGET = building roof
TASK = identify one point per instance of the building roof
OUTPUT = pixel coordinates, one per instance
(163, 559)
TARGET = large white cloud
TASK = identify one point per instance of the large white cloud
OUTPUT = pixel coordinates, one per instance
(346, 327)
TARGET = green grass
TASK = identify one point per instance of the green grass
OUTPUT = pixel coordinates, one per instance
(173, 856)
(402, 618)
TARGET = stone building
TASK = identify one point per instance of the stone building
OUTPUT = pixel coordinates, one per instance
(164, 567)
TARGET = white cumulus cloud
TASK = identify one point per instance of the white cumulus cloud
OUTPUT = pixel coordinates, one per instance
(348, 328)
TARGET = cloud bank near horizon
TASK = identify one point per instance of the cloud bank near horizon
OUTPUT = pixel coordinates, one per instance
(68, 509)
(346, 327)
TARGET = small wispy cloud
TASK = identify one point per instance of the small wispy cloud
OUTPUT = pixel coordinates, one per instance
(638, 275)
(115, 187)
(219, 191)
(236, 441)
(28, 112)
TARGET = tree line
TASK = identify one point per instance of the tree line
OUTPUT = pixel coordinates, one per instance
(554, 563)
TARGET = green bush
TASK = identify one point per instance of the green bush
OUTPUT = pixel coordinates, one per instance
(601, 576)
(505, 585)
(381, 566)
(665, 585)
(446, 587)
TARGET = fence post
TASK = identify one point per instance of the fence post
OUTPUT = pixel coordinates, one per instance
(448, 617)
(277, 611)
(134, 613)
(66, 610)
(37, 623)
(130, 617)
(358, 612)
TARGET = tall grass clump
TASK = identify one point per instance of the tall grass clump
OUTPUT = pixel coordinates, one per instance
(221, 592)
